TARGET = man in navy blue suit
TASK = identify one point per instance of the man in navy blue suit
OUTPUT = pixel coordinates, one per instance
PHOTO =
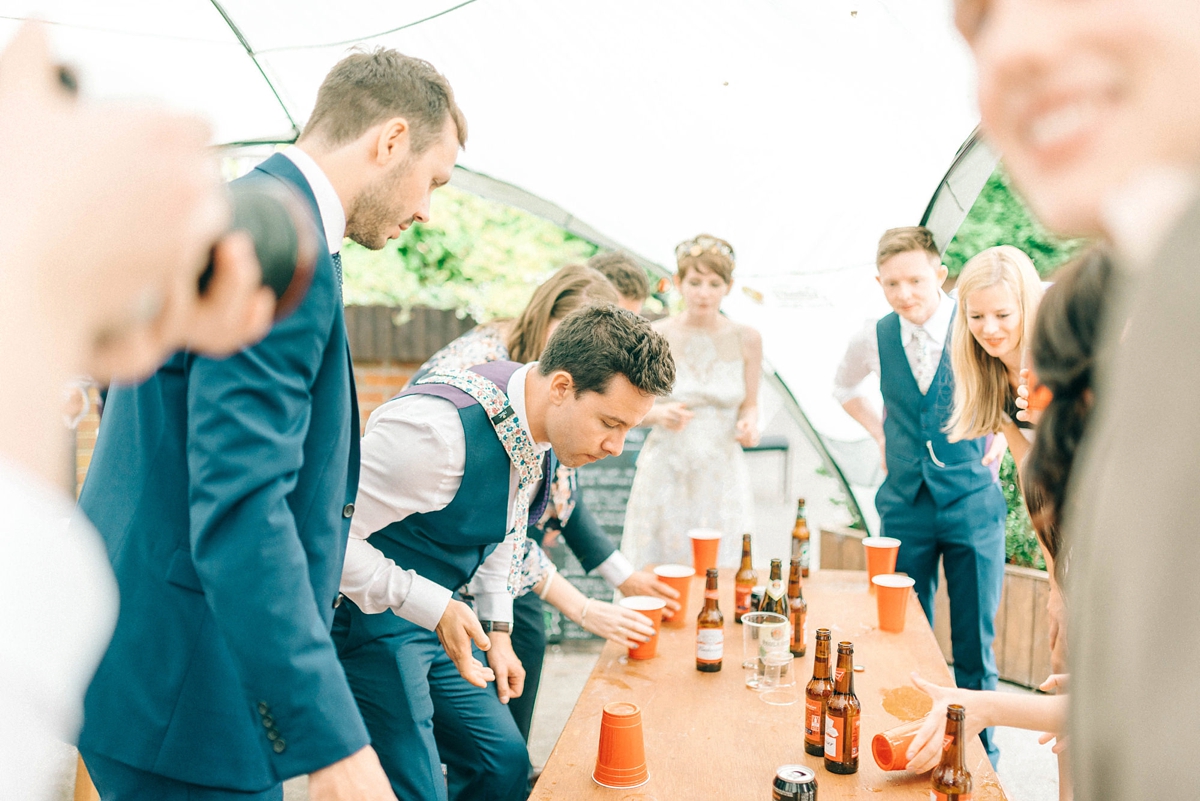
(224, 491)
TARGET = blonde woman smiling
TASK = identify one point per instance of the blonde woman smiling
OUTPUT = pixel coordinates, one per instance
(998, 294)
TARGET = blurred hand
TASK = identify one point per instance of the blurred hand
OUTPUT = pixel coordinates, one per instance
(926, 749)
(675, 416)
(747, 428)
(1060, 744)
(510, 673)
(1057, 683)
(644, 582)
(458, 628)
(625, 627)
(358, 777)
(999, 446)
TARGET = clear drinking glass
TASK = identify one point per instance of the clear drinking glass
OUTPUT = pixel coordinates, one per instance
(761, 634)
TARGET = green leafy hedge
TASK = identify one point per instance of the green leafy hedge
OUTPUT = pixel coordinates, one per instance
(1020, 542)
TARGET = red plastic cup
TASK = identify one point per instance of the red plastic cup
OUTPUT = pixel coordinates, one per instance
(653, 609)
(704, 549)
(891, 597)
(678, 578)
(890, 748)
(621, 760)
(881, 556)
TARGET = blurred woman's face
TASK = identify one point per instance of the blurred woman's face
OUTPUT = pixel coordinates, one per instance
(994, 319)
(702, 290)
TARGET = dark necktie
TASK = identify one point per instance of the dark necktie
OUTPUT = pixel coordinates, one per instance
(337, 268)
(538, 508)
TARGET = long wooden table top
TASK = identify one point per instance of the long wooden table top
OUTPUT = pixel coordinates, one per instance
(709, 737)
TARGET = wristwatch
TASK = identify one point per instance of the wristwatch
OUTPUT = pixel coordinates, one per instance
(496, 625)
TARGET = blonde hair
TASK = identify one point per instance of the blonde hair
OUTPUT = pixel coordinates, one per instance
(904, 240)
(569, 289)
(981, 387)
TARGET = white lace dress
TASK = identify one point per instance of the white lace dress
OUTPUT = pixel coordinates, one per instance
(695, 478)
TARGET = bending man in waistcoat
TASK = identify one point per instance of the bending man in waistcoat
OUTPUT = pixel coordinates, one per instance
(940, 499)
(453, 472)
(223, 490)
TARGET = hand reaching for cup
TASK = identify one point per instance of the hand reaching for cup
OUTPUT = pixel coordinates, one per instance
(625, 627)
(644, 582)
(926, 748)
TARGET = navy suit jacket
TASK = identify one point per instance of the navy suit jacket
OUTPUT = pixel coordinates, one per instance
(222, 491)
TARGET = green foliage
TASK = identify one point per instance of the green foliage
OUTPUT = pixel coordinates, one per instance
(1000, 217)
(1020, 542)
(475, 256)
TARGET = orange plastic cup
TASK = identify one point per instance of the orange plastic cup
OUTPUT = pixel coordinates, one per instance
(891, 597)
(704, 549)
(678, 578)
(621, 760)
(890, 748)
(881, 556)
(653, 609)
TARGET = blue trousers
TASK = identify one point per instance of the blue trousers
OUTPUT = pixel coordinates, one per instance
(529, 644)
(116, 781)
(968, 537)
(421, 713)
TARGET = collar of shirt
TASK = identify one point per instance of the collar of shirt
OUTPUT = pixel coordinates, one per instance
(333, 216)
(516, 398)
(1140, 214)
(937, 326)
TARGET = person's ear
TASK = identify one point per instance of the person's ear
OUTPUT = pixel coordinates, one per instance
(562, 386)
(943, 272)
(393, 142)
(877, 280)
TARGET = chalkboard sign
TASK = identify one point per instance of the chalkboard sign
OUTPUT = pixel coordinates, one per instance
(604, 486)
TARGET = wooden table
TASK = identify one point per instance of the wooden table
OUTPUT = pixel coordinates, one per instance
(708, 737)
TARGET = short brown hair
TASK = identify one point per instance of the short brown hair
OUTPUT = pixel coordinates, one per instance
(624, 273)
(569, 289)
(367, 87)
(710, 252)
(902, 240)
(598, 342)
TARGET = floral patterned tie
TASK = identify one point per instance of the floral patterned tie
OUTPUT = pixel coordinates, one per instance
(521, 453)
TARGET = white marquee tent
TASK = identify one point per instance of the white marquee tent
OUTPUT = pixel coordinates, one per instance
(798, 130)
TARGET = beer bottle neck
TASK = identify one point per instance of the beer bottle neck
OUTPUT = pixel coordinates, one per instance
(843, 677)
(821, 661)
(953, 755)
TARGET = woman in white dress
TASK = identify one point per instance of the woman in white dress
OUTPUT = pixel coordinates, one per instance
(691, 472)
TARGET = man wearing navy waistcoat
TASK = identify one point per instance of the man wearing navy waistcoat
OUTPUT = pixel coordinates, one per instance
(454, 523)
(224, 491)
(940, 498)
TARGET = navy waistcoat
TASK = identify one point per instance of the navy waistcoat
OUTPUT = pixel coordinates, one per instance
(916, 446)
(449, 545)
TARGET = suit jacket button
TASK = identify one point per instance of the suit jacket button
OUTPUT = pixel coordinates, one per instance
(268, 721)
(338, 600)
(280, 746)
(272, 735)
(348, 510)
(263, 707)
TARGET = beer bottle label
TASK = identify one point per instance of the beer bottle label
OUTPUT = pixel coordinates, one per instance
(812, 720)
(804, 554)
(835, 729)
(792, 621)
(741, 599)
(775, 589)
(710, 645)
(711, 594)
(934, 795)
(854, 737)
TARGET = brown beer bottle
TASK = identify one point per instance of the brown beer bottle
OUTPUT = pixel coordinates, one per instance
(842, 716)
(710, 633)
(801, 539)
(951, 781)
(816, 696)
(797, 611)
(744, 582)
(775, 599)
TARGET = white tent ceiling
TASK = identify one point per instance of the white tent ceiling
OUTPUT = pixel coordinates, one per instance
(798, 130)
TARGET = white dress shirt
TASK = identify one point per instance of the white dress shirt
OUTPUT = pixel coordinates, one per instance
(60, 602)
(333, 216)
(414, 453)
(862, 354)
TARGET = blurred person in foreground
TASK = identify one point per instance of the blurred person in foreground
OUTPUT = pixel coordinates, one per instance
(626, 275)
(224, 491)
(1095, 107)
(522, 340)
(455, 469)
(102, 242)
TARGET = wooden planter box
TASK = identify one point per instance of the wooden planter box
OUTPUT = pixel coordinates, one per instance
(1022, 627)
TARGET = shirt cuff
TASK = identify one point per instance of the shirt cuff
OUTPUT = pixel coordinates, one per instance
(425, 604)
(616, 569)
(494, 606)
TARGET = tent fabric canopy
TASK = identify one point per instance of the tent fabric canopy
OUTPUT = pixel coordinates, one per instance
(797, 131)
